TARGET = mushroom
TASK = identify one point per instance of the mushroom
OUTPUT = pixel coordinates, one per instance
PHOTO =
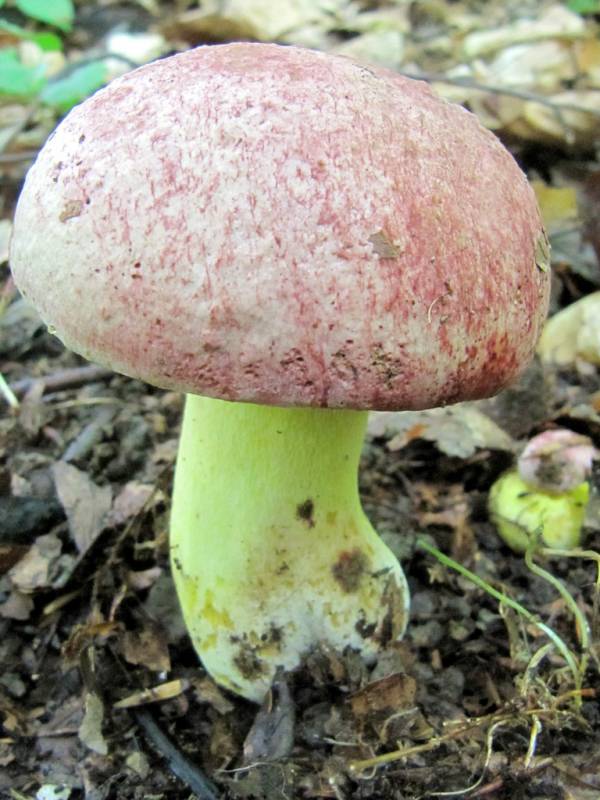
(292, 239)
(546, 496)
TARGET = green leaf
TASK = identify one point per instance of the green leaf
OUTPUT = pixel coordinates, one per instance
(59, 13)
(47, 41)
(584, 6)
(44, 39)
(17, 80)
(66, 92)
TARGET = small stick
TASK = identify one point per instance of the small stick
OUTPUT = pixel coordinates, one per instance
(520, 94)
(64, 379)
(90, 435)
(179, 765)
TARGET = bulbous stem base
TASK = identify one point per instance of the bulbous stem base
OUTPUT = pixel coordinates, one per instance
(271, 551)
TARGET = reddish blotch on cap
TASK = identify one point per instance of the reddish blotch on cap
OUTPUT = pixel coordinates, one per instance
(276, 225)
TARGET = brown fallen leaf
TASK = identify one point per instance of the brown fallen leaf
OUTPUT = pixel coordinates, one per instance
(83, 635)
(558, 205)
(138, 762)
(130, 501)
(395, 692)
(554, 22)
(207, 691)
(18, 606)
(249, 19)
(573, 334)
(271, 736)
(90, 730)
(147, 647)
(86, 504)
(563, 123)
(457, 431)
(43, 566)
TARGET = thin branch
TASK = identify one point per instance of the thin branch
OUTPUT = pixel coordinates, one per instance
(179, 765)
(65, 379)
(521, 94)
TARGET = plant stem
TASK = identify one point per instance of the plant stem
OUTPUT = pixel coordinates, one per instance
(508, 601)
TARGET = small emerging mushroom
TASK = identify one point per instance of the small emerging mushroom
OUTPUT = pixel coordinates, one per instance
(292, 239)
(546, 496)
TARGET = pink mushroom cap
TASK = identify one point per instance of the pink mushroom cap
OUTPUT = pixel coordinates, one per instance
(557, 460)
(276, 225)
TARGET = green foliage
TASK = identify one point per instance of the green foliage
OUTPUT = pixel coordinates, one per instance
(23, 82)
(18, 80)
(66, 92)
(584, 6)
(45, 40)
(27, 83)
(58, 13)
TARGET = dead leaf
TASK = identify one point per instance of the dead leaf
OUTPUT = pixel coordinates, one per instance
(548, 63)
(393, 693)
(43, 566)
(562, 123)
(86, 504)
(18, 325)
(554, 22)
(457, 431)
(271, 736)
(147, 647)
(223, 747)
(262, 20)
(207, 691)
(138, 47)
(573, 334)
(558, 205)
(82, 636)
(448, 506)
(162, 604)
(33, 413)
(138, 762)
(380, 47)
(130, 501)
(18, 606)
(90, 730)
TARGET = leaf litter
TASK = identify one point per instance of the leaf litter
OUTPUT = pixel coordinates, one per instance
(101, 694)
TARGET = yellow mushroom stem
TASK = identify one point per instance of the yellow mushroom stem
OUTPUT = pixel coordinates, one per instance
(271, 551)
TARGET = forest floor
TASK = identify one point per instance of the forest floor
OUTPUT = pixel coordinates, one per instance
(474, 702)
